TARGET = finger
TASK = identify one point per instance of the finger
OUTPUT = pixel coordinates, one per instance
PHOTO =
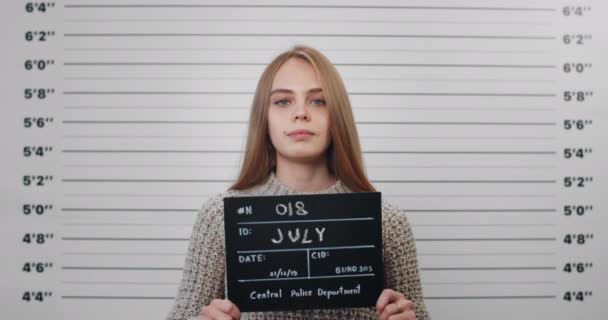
(210, 312)
(234, 311)
(228, 307)
(405, 304)
(400, 316)
(389, 310)
(387, 296)
(397, 307)
(408, 315)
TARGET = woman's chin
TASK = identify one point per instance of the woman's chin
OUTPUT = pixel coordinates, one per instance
(303, 155)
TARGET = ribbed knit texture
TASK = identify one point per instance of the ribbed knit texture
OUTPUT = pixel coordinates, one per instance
(203, 274)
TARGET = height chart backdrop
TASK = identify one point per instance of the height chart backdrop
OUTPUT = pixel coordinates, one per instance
(485, 121)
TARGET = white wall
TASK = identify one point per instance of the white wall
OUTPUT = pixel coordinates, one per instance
(474, 149)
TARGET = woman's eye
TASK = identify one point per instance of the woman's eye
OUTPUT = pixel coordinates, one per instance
(280, 102)
(319, 101)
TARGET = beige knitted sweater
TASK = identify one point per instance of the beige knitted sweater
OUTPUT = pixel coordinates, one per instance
(203, 274)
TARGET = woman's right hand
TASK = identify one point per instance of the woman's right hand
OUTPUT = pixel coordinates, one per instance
(220, 309)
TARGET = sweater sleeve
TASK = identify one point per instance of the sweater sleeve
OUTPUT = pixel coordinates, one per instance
(400, 259)
(203, 274)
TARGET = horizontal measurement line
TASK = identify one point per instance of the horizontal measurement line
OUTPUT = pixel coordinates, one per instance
(150, 151)
(490, 254)
(424, 282)
(399, 166)
(267, 20)
(242, 49)
(471, 195)
(397, 195)
(428, 298)
(155, 92)
(126, 210)
(164, 107)
(457, 94)
(147, 180)
(459, 80)
(125, 224)
(484, 123)
(121, 268)
(194, 209)
(151, 121)
(428, 108)
(421, 253)
(462, 152)
(122, 239)
(486, 282)
(242, 137)
(475, 225)
(426, 65)
(139, 195)
(351, 93)
(373, 181)
(122, 254)
(487, 268)
(147, 166)
(122, 283)
(234, 165)
(464, 181)
(485, 239)
(304, 6)
(489, 297)
(416, 225)
(118, 297)
(323, 35)
(480, 210)
(240, 151)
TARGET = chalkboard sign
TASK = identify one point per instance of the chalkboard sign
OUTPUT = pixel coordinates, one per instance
(304, 251)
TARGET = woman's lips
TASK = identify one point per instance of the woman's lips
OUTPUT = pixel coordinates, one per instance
(300, 133)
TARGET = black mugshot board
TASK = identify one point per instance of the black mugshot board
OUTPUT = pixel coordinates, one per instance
(315, 251)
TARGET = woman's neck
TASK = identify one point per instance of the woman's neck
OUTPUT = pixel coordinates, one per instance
(304, 177)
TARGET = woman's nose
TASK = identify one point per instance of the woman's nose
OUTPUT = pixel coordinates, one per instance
(300, 112)
(301, 115)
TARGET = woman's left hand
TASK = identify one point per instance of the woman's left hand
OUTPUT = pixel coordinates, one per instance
(393, 305)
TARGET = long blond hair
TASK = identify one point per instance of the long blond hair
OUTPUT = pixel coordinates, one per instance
(344, 158)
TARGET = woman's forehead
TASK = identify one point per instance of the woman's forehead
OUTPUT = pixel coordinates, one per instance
(297, 75)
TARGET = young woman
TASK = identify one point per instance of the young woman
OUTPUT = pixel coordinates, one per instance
(302, 139)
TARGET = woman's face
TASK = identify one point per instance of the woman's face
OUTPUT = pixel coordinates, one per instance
(298, 118)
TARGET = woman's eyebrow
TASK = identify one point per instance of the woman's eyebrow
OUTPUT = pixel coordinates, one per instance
(281, 90)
